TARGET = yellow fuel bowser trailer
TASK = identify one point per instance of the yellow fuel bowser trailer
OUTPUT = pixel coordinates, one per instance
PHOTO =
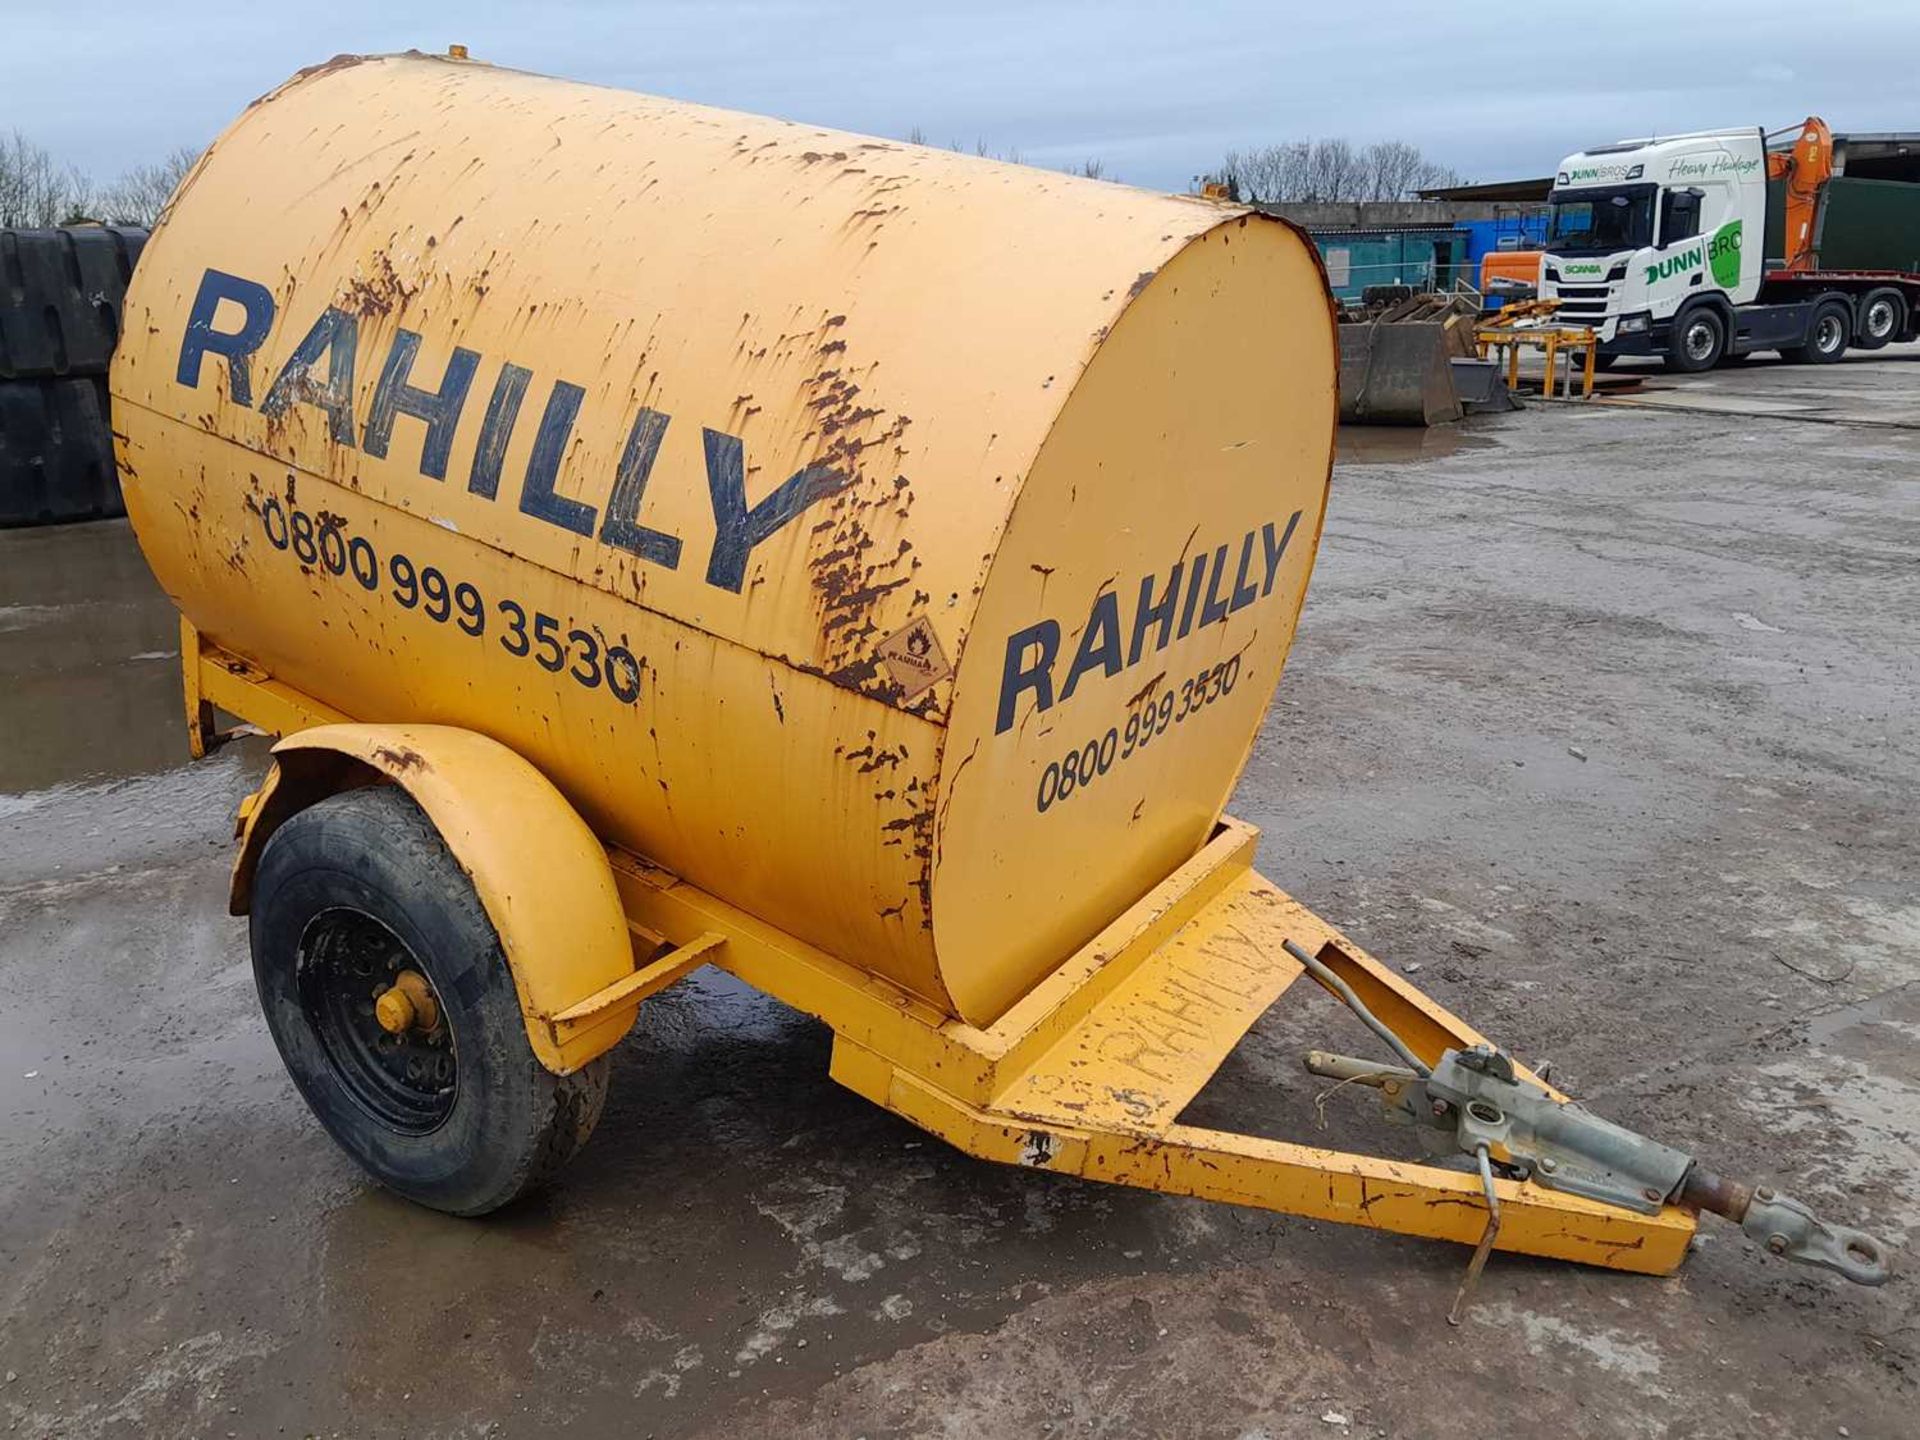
(667, 537)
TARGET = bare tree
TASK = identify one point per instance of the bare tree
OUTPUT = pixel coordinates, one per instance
(1269, 173)
(1316, 170)
(138, 197)
(1089, 169)
(1334, 171)
(1393, 167)
(1011, 155)
(34, 192)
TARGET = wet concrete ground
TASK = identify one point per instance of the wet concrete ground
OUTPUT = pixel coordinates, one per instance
(1606, 718)
(1864, 387)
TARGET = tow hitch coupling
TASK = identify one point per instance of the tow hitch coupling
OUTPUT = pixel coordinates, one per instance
(1475, 1102)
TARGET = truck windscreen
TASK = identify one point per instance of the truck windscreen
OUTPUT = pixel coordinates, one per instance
(1598, 221)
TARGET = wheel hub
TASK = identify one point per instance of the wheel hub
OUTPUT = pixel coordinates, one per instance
(379, 1021)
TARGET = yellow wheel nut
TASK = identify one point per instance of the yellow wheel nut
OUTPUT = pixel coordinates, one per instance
(394, 1011)
(408, 1003)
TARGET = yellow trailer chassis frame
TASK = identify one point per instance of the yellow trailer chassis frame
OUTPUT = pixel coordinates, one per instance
(1089, 1072)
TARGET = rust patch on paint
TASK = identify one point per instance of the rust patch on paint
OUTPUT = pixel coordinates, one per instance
(376, 291)
(402, 760)
(859, 564)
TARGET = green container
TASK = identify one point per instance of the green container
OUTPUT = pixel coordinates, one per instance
(1870, 225)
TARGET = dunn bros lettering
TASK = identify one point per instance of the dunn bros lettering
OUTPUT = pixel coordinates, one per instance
(1720, 253)
(1678, 264)
(320, 372)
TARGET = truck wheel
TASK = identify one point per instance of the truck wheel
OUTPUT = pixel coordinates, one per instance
(1698, 341)
(1827, 334)
(1883, 315)
(391, 1003)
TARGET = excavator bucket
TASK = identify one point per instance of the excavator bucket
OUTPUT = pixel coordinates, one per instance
(1396, 374)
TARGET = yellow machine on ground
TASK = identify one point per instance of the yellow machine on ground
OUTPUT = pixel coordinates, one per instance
(668, 537)
(1532, 324)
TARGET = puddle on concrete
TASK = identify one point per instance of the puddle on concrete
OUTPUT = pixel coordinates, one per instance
(1403, 444)
(738, 1226)
(89, 660)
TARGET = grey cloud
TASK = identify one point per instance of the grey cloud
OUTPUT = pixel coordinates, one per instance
(1157, 91)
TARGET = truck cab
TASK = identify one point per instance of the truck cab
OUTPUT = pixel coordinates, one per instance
(1643, 230)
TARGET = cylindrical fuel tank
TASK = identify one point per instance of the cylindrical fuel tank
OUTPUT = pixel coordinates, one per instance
(902, 546)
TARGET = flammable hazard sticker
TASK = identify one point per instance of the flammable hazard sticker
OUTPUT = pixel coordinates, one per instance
(915, 658)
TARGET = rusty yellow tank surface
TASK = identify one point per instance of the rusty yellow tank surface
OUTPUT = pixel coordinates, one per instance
(900, 546)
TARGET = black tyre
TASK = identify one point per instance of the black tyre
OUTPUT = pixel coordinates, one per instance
(437, 1093)
(56, 453)
(1603, 361)
(1698, 340)
(1883, 315)
(1827, 334)
(60, 298)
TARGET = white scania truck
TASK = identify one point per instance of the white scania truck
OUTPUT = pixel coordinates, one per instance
(1704, 248)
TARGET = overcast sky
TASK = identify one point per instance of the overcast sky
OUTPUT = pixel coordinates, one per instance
(1159, 91)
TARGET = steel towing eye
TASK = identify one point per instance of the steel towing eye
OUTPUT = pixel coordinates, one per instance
(1473, 1102)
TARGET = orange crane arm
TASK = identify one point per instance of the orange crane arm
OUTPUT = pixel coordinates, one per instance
(1806, 168)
